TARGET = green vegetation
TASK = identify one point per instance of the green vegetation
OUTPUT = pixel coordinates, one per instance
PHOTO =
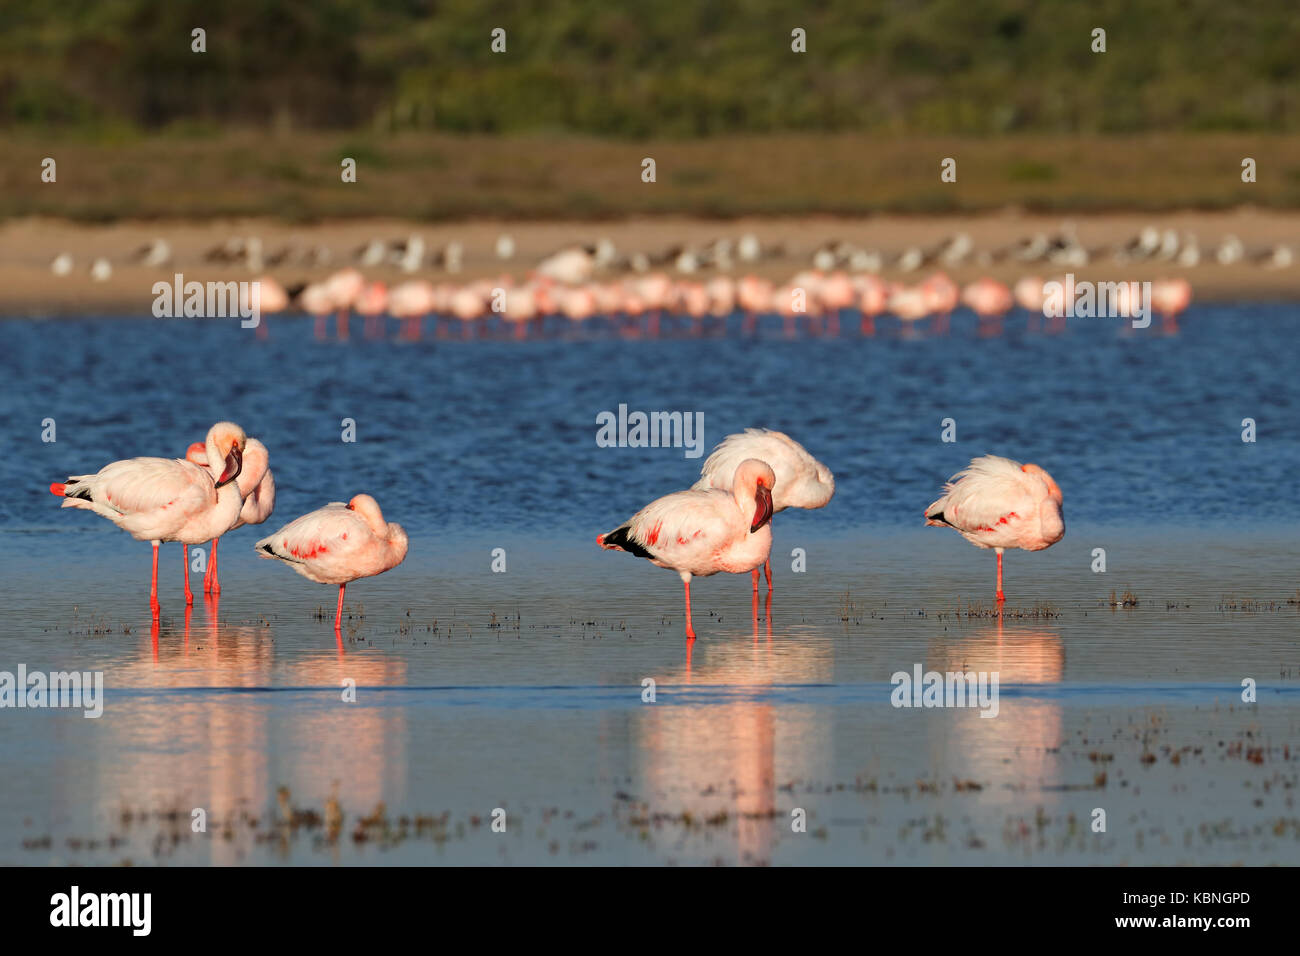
(663, 69)
(432, 177)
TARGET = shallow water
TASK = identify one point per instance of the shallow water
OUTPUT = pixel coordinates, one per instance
(524, 690)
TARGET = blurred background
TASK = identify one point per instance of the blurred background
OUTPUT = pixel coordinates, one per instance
(442, 127)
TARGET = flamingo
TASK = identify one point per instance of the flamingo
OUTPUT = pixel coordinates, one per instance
(371, 304)
(701, 532)
(1028, 293)
(317, 302)
(801, 480)
(167, 499)
(338, 544)
(343, 289)
(409, 302)
(1171, 297)
(908, 303)
(754, 295)
(999, 503)
(940, 295)
(990, 299)
(256, 486)
(874, 293)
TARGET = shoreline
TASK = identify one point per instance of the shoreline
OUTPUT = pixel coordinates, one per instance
(29, 288)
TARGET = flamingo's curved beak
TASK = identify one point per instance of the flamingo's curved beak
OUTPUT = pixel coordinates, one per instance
(234, 465)
(763, 511)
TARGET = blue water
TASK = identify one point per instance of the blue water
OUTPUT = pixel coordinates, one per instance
(524, 690)
(459, 436)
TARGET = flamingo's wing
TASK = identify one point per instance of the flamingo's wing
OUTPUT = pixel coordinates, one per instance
(694, 519)
(138, 485)
(333, 528)
(992, 491)
(720, 467)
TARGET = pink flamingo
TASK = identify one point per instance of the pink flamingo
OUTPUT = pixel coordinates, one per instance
(467, 303)
(909, 303)
(1028, 293)
(409, 302)
(344, 288)
(268, 297)
(167, 499)
(837, 294)
(338, 544)
(873, 300)
(988, 298)
(801, 480)
(754, 295)
(941, 296)
(256, 487)
(371, 304)
(317, 302)
(703, 532)
(999, 503)
(521, 307)
(1171, 297)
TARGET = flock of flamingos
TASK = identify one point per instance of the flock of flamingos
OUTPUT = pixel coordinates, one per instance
(642, 304)
(721, 523)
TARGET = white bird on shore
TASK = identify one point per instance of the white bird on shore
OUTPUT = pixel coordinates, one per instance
(338, 544)
(101, 270)
(154, 254)
(167, 499)
(571, 266)
(801, 480)
(700, 533)
(256, 486)
(999, 503)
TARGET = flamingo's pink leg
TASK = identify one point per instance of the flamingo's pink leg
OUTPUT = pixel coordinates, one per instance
(338, 614)
(756, 583)
(1001, 597)
(341, 324)
(153, 588)
(767, 570)
(690, 631)
(185, 556)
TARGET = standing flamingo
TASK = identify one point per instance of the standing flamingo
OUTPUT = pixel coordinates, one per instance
(699, 532)
(801, 480)
(344, 288)
(409, 302)
(256, 487)
(338, 544)
(167, 499)
(988, 298)
(371, 304)
(999, 503)
(1170, 298)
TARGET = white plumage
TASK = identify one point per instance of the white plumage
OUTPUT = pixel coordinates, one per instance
(801, 480)
(167, 499)
(338, 544)
(999, 503)
(701, 532)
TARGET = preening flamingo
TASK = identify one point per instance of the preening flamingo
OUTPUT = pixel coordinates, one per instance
(999, 503)
(338, 544)
(989, 299)
(167, 499)
(801, 480)
(1171, 297)
(699, 532)
(256, 486)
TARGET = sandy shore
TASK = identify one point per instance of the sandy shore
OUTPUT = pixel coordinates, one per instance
(28, 246)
